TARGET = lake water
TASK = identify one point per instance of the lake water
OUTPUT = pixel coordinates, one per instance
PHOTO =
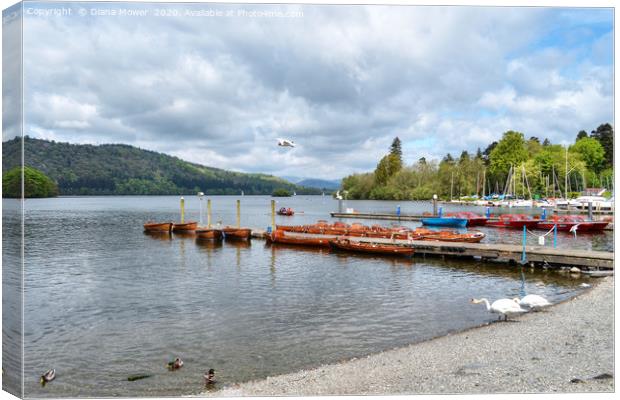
(104, 301)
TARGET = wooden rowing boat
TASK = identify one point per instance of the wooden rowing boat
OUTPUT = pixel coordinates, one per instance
(301, 239)
(185, 227)
(374, 248)
(209, 234)
(158, 227)
(473, 219)
(236, 233)
(445, 221)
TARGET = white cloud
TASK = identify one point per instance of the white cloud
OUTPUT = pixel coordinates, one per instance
(342, 82)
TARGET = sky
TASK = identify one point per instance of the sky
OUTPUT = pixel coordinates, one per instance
(217, 84)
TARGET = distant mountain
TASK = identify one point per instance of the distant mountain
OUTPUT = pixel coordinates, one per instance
(119, 169)
(320, 184)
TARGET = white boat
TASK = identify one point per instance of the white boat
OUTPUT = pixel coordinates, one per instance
(598, 202)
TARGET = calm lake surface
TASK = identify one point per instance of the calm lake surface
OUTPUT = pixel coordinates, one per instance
(104, 301)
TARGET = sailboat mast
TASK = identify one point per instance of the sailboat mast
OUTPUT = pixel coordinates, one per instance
(566, 176)
(484, 171)
(451, 183)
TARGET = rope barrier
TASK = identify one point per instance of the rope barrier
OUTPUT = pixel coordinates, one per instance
(550, 231)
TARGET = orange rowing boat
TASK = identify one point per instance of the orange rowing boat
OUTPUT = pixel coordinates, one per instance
(301, 239)
(237, 233)
(158, 227)
(185, 227)
(374, 248)
(209, 234)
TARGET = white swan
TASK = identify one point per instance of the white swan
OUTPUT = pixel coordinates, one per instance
(532, 301)
(503, 307)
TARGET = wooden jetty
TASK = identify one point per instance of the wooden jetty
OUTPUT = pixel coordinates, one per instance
(535, 255)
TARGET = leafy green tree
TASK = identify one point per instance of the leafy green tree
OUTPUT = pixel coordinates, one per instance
(605, 135)
(281, 192)
(590, 151)
(509, 151)
(36, 183)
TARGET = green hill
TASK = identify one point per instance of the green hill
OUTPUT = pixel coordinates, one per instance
(118, 169)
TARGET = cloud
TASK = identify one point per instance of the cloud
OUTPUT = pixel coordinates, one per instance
(341, 81)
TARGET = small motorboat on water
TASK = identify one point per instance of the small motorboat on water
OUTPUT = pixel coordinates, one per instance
(515, 221)
(209, 234)
(579, 221)
(373, 248)
(285, 211)
(236, 233)
(473, 219)
(184, 227)
(158, 227)
(445, 221)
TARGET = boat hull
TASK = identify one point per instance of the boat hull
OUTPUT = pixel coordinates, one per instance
(454, 222)
(209, 234)
(158, 227)
(237, 233)
(513, 224)
(372, 248)
(186, 227)
(299, 239)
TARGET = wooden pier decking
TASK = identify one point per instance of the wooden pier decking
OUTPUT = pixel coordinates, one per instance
(535, 255)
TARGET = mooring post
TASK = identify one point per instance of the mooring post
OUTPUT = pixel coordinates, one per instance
(200, 194)
(398, 212)
(209, 213)
(544, 214)
(555, 236)
(590, 210)
(523, 256)
(340, 206)
(273, 215)
(182, 209)
(434, 205)
(488, 212)
(238, 213)
(440, 212)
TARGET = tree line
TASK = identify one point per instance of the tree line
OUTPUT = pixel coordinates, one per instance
(118, 169)
(539, 169)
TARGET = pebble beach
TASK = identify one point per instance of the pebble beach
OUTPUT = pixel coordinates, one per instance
(569, 347)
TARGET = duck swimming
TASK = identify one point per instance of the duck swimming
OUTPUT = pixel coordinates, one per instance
(176, 364)
(48, 376)
(209, 377)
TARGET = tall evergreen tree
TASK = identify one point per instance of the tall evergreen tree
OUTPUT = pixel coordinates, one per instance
(582, 134)
(605, 135)
(396, 148)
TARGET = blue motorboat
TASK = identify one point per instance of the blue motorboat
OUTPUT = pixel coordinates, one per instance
(447, 221)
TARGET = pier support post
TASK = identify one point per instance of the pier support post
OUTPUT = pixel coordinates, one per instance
(182, 210)
(523, 255)
(434, 205)
(238, 213)
(590, 210)
(339, 206)
(273, 215)
(209, 213)
(555, 236)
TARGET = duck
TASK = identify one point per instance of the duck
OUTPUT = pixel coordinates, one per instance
(532, 301)
(48, 376)
(209, 377)
(176, 364)
(503, 307)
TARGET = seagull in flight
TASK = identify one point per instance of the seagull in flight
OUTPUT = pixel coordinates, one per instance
(286, 143)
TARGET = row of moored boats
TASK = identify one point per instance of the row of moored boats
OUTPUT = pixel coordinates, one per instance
(208, 233)
(518, 221)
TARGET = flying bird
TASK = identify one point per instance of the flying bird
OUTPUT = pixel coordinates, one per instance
(286, 143)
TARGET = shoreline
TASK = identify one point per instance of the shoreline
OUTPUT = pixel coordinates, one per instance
(568, 347)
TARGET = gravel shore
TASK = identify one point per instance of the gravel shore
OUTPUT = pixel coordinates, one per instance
(566, 348)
